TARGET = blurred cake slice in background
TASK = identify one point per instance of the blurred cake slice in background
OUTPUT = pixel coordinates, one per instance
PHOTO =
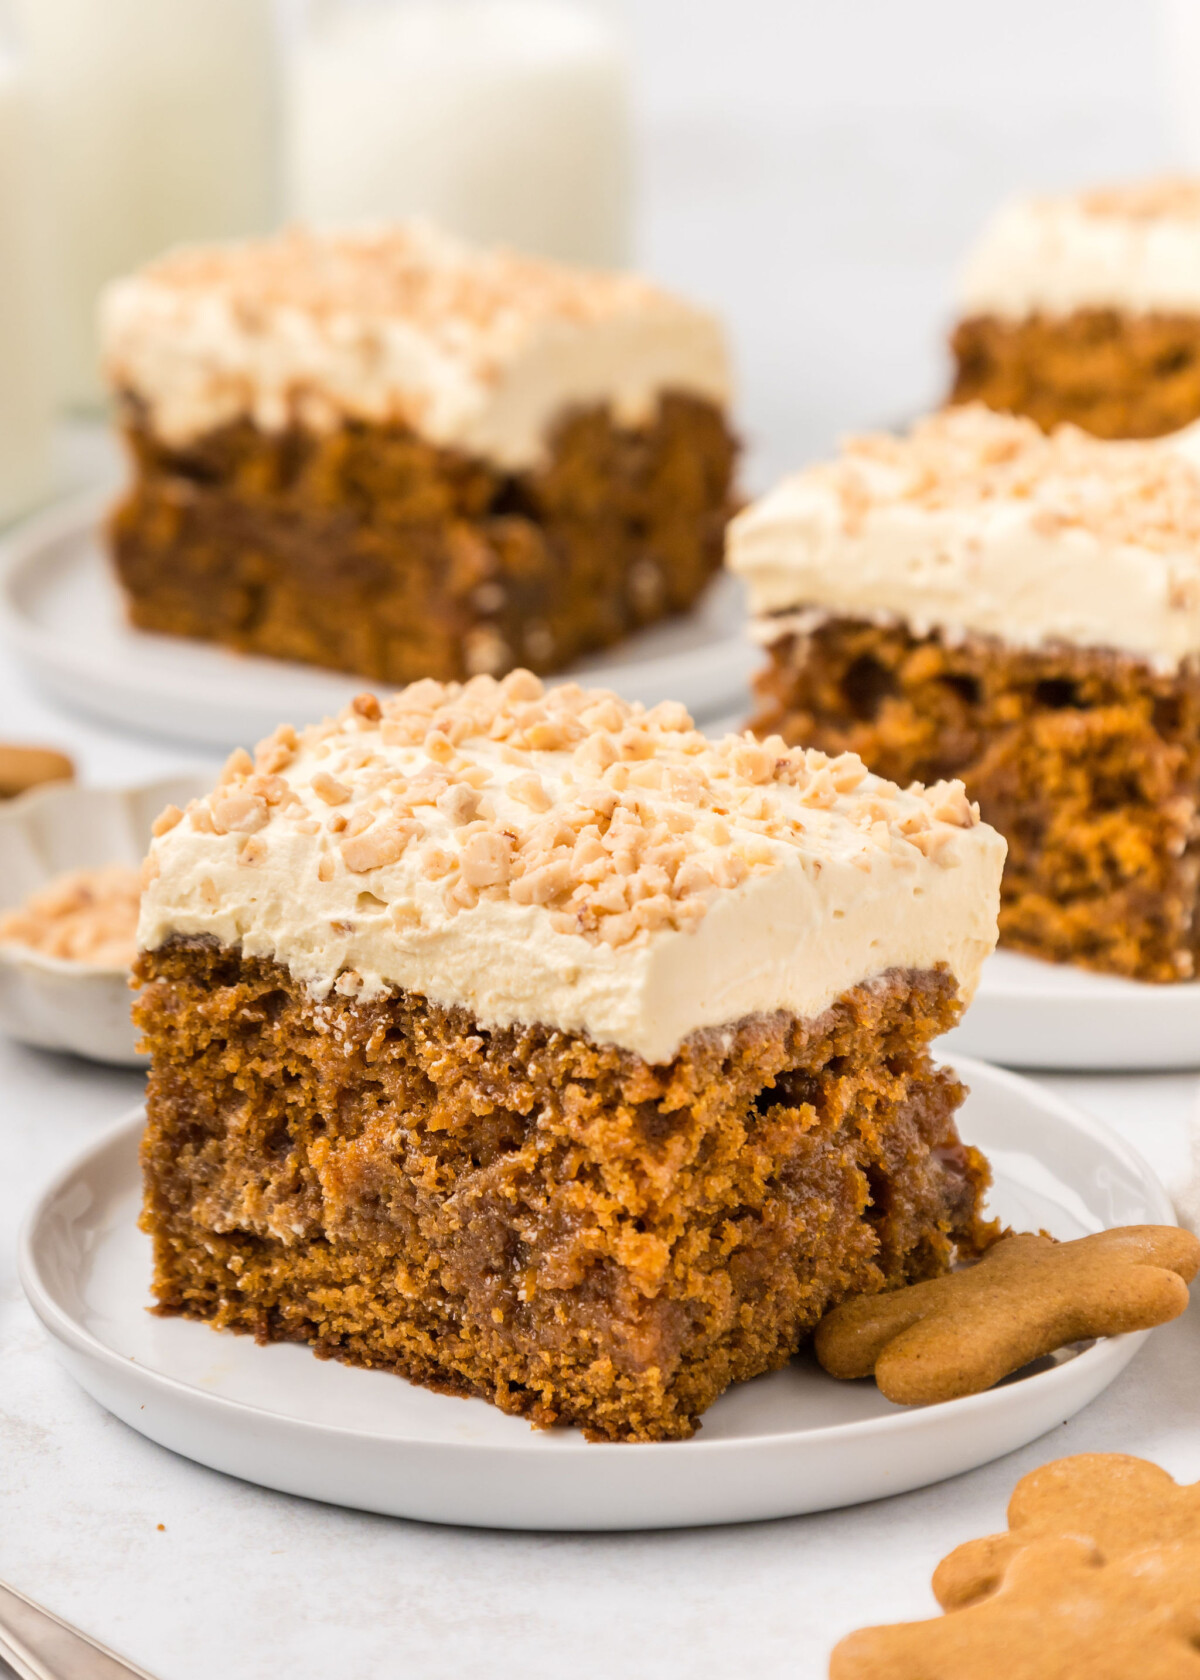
(979, 600)
(1086, 308)
(392, 453)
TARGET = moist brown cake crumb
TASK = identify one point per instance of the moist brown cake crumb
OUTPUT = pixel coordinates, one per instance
(1087, 761)
(523, 1214)
(366, 548)
(1114, 373)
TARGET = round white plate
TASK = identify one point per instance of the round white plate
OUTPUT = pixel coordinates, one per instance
(1035, 1014)
(790, 1442)
(61, 613)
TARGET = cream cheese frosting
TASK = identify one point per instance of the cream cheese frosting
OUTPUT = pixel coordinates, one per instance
(562, 858)
(1133, 248)
(479, 350)
(977, 523)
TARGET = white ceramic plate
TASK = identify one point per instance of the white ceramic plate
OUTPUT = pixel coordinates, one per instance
(790, 1442)
(49, 1001)
(61, 613)
(1035, 1014)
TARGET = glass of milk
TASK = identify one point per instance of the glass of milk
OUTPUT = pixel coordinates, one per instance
(502, 120)
(161, 125)
(26, 395)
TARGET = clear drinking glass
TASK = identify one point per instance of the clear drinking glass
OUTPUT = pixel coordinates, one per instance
(160, 120)
(26, 387)
(502, 120)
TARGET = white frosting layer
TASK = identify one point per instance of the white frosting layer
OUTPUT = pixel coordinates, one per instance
(723, 881)
(478, 350)
(977, 524)
(1135, 249)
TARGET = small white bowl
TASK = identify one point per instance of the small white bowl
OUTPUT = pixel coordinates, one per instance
(53, 1002)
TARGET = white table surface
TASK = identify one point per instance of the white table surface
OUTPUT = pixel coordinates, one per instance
(244, 1584)
(860, 154)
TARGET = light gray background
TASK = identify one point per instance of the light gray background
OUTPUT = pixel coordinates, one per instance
(816, 167)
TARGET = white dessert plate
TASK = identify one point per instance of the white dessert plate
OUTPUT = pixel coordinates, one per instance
(61, 613)
(49, 1001)
(1033, 1014)
(786, 1443)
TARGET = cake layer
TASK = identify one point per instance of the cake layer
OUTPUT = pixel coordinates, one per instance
(1088, 762)
(477, 350)
(1131, 248)
(530, 1217)
(368, 549)
(977, 523)
(1116, 374)
(559, 857)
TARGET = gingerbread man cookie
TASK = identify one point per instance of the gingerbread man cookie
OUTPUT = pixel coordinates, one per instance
(1027, 1297)
(1060, 1613)
(1116, 1503)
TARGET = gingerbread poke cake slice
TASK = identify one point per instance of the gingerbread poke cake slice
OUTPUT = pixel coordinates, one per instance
(1086, 308)
(979, 600)
(395, 454)
(532, 1046)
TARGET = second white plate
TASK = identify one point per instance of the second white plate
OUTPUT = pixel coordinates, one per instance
(786, 1443)
(49, 1001)
(61, 612)
(1035, 1014)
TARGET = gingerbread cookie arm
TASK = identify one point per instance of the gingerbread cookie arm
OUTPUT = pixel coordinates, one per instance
(1061, 1613)
(974, 1570)
(22, 768)
(852, 1338)
(969, 1644)
(1027, 1297)
(1168, 1246)
(1117, 1502)
(849, 1340)
(994, 1333)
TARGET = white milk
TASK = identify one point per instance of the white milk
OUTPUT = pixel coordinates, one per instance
(160, 119)
(26, 397)
(500, 119)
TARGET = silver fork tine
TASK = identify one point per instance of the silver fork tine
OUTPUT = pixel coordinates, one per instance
(39, 1646)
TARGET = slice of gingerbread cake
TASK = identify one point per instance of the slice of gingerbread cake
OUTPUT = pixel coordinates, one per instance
(532, 1046)
(979, 600)
(1085, 308)
(398, 455)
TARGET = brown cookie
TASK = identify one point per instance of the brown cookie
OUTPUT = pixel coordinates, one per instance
(1060, 1613)
(22, 768)
(1028, 1296)
(1116, 1503)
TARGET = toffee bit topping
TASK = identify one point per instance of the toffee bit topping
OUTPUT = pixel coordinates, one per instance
(618, 821)
(88, 916)
(329, 789)
(1166, 198)
(476, 303)
(166, 820)
(1142, 493)
(237, 765)
(239, 812)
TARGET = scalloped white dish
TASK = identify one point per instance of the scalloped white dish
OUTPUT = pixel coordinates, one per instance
(786, 1443)
(1033, 1014)
(51, 1002)
(62, 615)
